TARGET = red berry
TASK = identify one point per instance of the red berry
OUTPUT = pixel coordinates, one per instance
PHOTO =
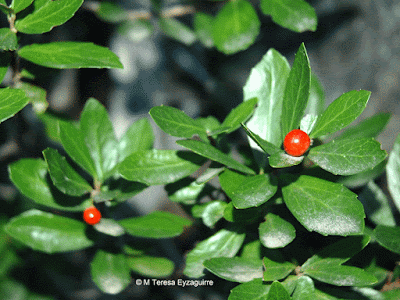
(296, 142)
(92, 215)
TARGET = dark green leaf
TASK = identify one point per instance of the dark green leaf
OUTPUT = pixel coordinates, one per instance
(111, 12)
(248, 191)
(276, 232)
(11, 289)
(110, 272)
(8, 40)
(11, 102)
(388, 237)
(158, 224)
(178, 31)
(175, 122)
(214, 154)
(151, 266)
(276, 270)
(252, 290)
(236, 269)
(99, 137)
(210, 212)
(235, 27)
(297, 92)
(296, 15)
(30, 177)
(268, 147)
(278, 292)
(304, 289)
(341, 113)
(348, 156)
(47, 232)
(239, 115)
(19, 5)
(153, 167)
(37, 96)
(202, 24)
(70, 55)
(325, 207)
(393, 172)
(242, 216)
(64, 177)
(225, 243)
(50, 14)
(282, 160)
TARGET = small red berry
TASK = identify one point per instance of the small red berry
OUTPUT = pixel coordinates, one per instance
(92, 215)
(296, 142)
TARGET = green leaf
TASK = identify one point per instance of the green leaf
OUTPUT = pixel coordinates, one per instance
(297, 92)
(252, 290)
(214, 154)
(64, 177)
(388, 237)
(186, 191)
(276, 232)
(210, 212)
(236, 269)
(99, 137)
(235, 27)
(325, 207)
(267, 147)
(158, 224)
(110, 272)
(50, 14)
(177, 30)
(316, 100)
(109, 227)
(248, 191)
(242, 216)
(202, 24)
(239, 115)
(51, 122)
(282, 160)
(225, 243)
(5, 61)
(70, 55)
(304, 289)
(393, 172)
(151, 266)
(30, 177)
(175, 122)
(153, 167)
(123, 189)
(278, 292)
(139, 136)
(48, 232)
(8, 40)
(348, 156)
(296, 15)
(276, 270)
(341, 113)
(391, 294)
(11, 102)
(37, 96)
(111, 12)
(19, 5)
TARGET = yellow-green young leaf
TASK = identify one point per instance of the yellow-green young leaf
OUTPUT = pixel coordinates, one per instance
(110, 272)
(275, 232)
(252, 290)
(48, 232)
(203, 27)
(151, 266)
(277, 292)
(235, 27)
(388, 237)
(70, 55)
(11, 102)
(19, 5)
(177, 30)
(8, 40)
(44, 17)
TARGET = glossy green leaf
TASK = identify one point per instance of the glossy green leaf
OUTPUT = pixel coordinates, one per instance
(48, 232)
(325, 207)
(348, 156)
(202, 24)
(111, 12)
(50, 14)
(158, 224)
(73, 141)
(11, 102)
(304, 289)
(388, 237)
(277, 292)
(208, 151)
(297, 92)
(36, 95)
(64, 177)
(19, 5)
(153, 167)
(236, 269)
(235, 27)
(109, 227)
(239, 115)
(393, 172)
(185, 191)
(177, 30)
(151, 266)
(99, 137)
(242, 216)
(276, 270)
(70, 55)
(252, 290)
(30, 177)
(248, 191)
(51, 123)
(267, 147)
(341, 113)
(175, 122)
(8, 40)
(361, 179)
(110, 272)
(123, 189)
(276, 232)
(224, 243)
(211, 212)
(139, 136)
(282, 160)
(316, 100)
(296, 15)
